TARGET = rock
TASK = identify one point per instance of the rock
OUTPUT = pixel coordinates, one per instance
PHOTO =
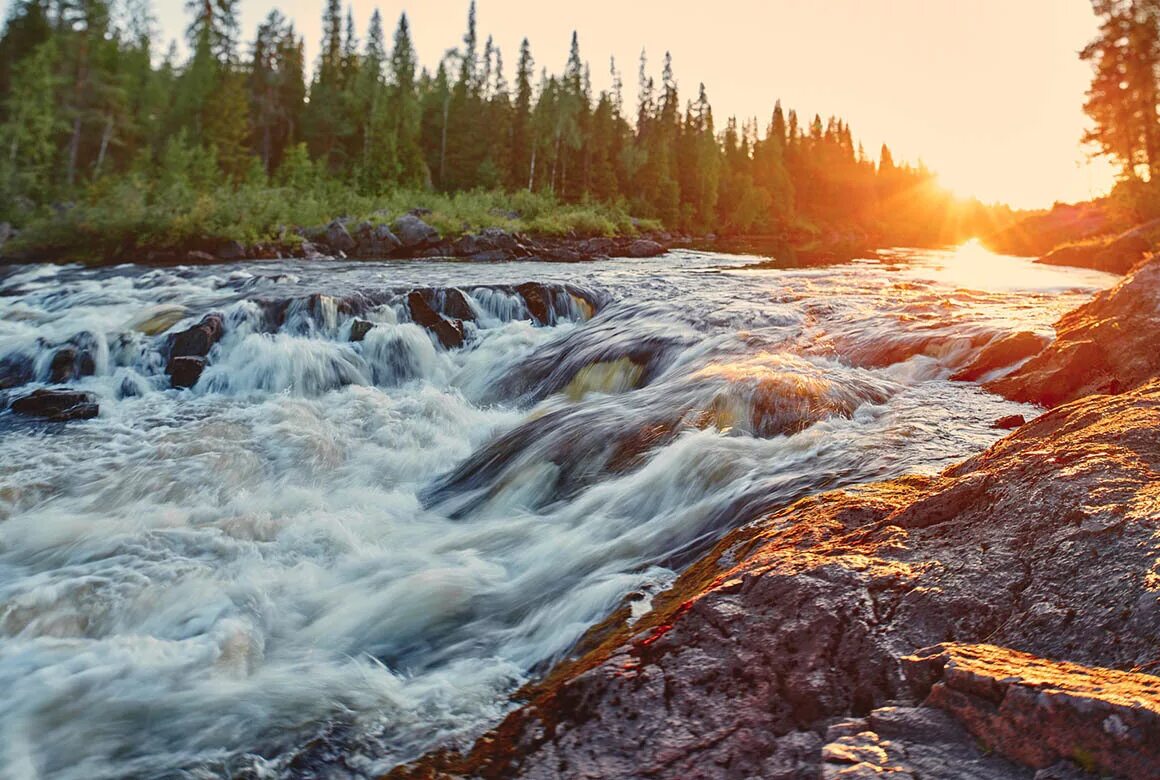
(491, 256)
(1010, 422)
(185, 371)
(338, 239)
(6, 233)
(73, 360)
(57, 405)
(643, 247)
(413, 233)
(231, 251)
(198, 340)
(378, 241)
(1105, 346)
(1044, 544)
(359, 329)
(1001, 352)
(309, 251)
(1039, 713)
(197, 256)
(538, 301)
(450, 334)
(157, 319)
(16, 369)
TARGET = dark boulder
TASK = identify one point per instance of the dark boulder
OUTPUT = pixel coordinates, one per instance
(338, 238)
(57, 405)
(1001, 352)
(198, 340)
(198, 256)
(450, 334)
(74, 359)
(377, 241)
(643, 247)
(359, 329)
(185, 371)
(413, 233)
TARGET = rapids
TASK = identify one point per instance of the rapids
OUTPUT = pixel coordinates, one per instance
(330, 555)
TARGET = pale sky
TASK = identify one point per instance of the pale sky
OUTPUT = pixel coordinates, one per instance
(987, 92)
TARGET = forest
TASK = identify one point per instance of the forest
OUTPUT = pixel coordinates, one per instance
(110, 142)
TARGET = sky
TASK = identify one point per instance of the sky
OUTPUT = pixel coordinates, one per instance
(988, 93)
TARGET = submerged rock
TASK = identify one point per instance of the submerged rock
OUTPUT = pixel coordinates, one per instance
(1001, 352)
(1106, 346)
(798, 625)
(57, 405)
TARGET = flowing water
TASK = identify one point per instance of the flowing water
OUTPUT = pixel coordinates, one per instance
(328, 556)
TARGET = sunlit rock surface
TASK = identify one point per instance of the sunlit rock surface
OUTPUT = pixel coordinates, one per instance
(1105, 346)
(781, 654)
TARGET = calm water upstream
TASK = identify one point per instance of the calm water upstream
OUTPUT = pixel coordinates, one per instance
(364, 548)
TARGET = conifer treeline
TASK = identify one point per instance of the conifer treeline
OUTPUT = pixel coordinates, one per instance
(82, 98)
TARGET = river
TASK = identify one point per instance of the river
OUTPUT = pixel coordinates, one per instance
(328, 556)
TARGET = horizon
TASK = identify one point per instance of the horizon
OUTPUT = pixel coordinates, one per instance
(979, 130)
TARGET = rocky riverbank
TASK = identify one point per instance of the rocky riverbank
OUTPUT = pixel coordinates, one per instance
(407, 237)
(999, 620)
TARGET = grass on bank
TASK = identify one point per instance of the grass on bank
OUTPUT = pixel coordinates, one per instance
(117, 216)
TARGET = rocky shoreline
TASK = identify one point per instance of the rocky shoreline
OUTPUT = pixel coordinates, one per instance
(999, 620)
(406, 237)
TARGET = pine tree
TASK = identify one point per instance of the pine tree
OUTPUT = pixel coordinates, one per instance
(520, 174)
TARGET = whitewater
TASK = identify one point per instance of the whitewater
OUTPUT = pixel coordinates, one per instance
(330, 555)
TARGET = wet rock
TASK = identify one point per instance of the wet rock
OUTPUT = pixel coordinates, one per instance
(413, 233)
(1105, 346)
(1043, 544)
(359, 329)
(1010, 422)
(57, 405)
(1039, 712)
(309, 250)
(538, 300)
(73, 360)
(644, 247)
(450, 334)
(185, 371)
(1002, 352)
(16, 369)
(198, 340)
(198, 256)
(338, 238)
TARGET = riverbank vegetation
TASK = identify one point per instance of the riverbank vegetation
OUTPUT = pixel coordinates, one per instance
(106, 141)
